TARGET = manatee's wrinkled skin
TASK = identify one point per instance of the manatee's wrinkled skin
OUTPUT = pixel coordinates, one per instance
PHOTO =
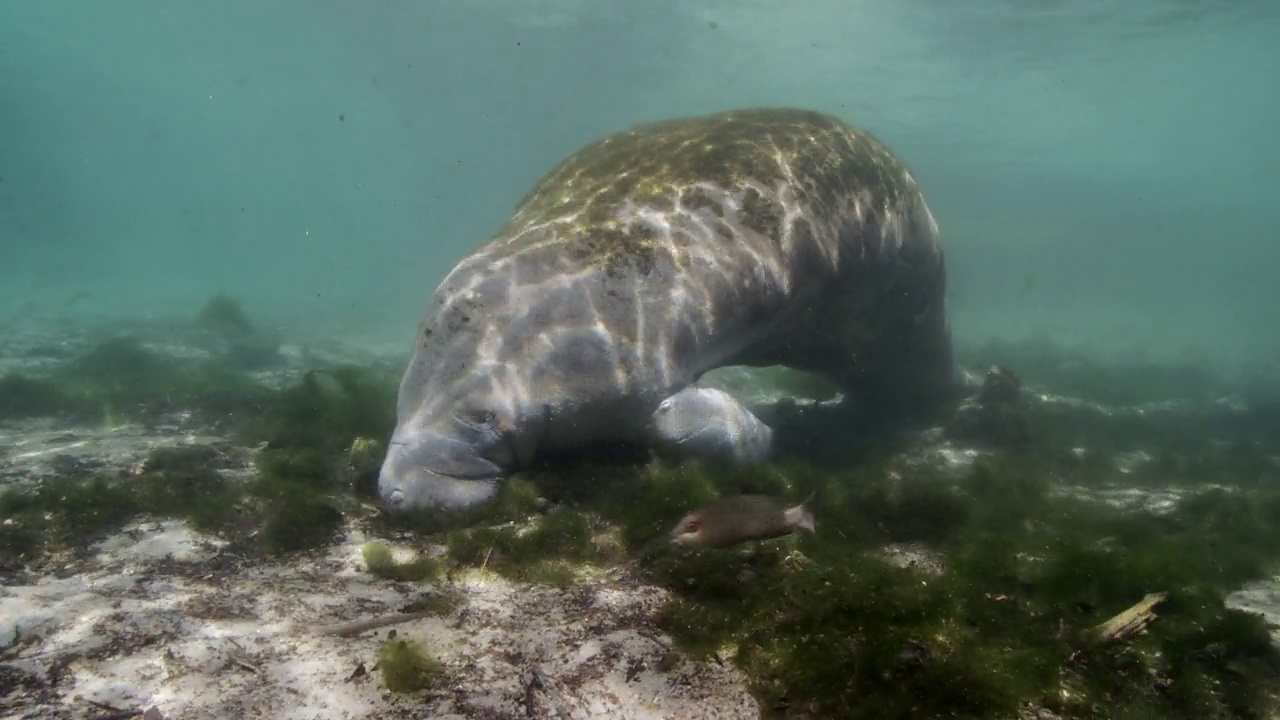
(752, 237)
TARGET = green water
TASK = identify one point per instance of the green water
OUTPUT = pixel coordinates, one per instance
(1104, 172)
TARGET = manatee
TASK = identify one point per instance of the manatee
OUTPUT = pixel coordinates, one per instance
(755, 237)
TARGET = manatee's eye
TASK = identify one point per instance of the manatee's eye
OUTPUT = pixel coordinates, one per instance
(477, 418)
(692, 526)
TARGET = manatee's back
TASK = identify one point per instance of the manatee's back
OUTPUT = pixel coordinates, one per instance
(691, 235)
(594, 202)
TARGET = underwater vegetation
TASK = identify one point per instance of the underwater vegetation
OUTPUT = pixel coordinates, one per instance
(120, 380)
(226, 316)
(70, 510)
(407, 666)
(289, 503)
(924, 592)
(379, 561)
(829, 626)
(314, 438)
(123, 380)
(228, 331)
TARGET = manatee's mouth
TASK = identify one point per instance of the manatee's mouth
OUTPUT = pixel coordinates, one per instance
(426, 490)
(435, 473)
(684, 437)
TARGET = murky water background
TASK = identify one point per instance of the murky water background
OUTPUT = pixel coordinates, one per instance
(1104, 172)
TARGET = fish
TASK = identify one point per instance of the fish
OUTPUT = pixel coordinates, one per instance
(738, 519)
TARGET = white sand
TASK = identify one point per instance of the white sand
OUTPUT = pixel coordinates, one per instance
(151, 621)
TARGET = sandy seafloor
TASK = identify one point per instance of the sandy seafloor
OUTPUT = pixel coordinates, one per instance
(160, 620)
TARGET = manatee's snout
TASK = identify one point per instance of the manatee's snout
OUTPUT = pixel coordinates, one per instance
(425, 471)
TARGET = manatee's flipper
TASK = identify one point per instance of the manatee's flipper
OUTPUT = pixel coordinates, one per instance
(711, 423)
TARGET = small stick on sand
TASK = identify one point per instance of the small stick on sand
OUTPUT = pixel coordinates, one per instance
(113, 712)
(359, 626)
(1130, 621)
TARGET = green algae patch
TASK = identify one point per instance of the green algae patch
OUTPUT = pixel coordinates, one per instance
(62, 513)
(226, 330)
(442, 600)
(826, 625)
(318, 461)
(407, 666)
(551, 549)
(825, 628)
(317, 457)
(68, 513)
(855, 639)
(225, 315)
(120, 380)
(301, 524)
(603, 513)
(379, 561)
(182, 482)
(327, 410)
(518, 499)
(314, 434)
(377, 558)
(23, 397)
(299, 497)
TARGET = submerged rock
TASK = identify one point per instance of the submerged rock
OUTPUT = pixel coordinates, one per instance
(998, 416)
